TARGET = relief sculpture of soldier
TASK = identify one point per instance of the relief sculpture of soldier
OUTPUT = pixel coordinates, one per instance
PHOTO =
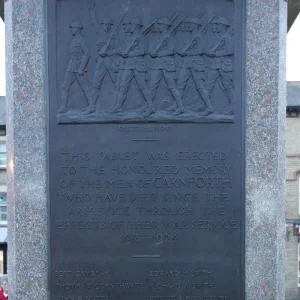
(77, 68)
(133, 52)
(193, 64)
(197, 49)
(163, 65)
(107, 60)
(220, 53)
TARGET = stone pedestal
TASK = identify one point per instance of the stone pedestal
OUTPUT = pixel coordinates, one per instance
(27, 149)
(265, 149)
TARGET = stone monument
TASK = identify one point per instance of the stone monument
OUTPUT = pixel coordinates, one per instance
(146, 149)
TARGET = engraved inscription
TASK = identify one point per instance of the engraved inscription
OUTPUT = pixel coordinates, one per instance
(170, 195)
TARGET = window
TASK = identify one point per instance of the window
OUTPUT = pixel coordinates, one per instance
(2, 130)
(2, 154)
(3, 208)
(1, 263)
(3, 259)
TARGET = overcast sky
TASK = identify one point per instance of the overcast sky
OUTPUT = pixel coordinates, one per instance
(293, 54)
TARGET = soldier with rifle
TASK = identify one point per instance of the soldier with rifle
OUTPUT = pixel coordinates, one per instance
(193, 61)
(107, 60)
(220, 53)
(133, 52)
(163, 64)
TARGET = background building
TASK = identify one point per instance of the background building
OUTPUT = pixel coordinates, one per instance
(292, 213)
(3, 178)
(3, 190)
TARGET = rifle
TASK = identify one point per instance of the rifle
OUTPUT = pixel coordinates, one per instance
(177, 26)
(144, 32)
(196, 39)
(137, 40)
(166, 39)
(206, 24)
(202, 18)
(222, 40)
(203, 15)
(172, 19)
(114, 35)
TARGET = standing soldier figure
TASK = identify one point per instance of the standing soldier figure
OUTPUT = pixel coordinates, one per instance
(133, 65)
(220, 54)
(193, 63)
(77, 67)
(163, 65)
(106, 61)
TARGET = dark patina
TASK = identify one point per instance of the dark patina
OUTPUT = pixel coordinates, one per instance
(146, 149)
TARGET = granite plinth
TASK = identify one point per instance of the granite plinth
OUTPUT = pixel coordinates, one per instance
(26, 147)
(27, 158)
(265, 149)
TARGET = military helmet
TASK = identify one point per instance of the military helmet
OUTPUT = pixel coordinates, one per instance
(163, 21)
(193, 20)
(223, 21)
(137, 21)
(107, 21)
(76, 24)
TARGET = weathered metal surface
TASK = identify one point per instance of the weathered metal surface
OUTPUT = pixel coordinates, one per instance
(146, 149)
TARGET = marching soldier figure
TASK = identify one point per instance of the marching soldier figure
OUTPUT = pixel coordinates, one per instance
(193, 63)
(77, 67)
(133, 65)
(107, 61)
(163, 65)
(220, 62)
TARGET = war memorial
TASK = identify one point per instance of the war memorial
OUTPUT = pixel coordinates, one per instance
(156, 130)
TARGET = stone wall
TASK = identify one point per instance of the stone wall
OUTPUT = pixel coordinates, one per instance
(292, 200)
(291, 268)
(26, 148)
(292, 204)
(292, 135)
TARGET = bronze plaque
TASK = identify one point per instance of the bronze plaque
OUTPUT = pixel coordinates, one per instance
(146, 149)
